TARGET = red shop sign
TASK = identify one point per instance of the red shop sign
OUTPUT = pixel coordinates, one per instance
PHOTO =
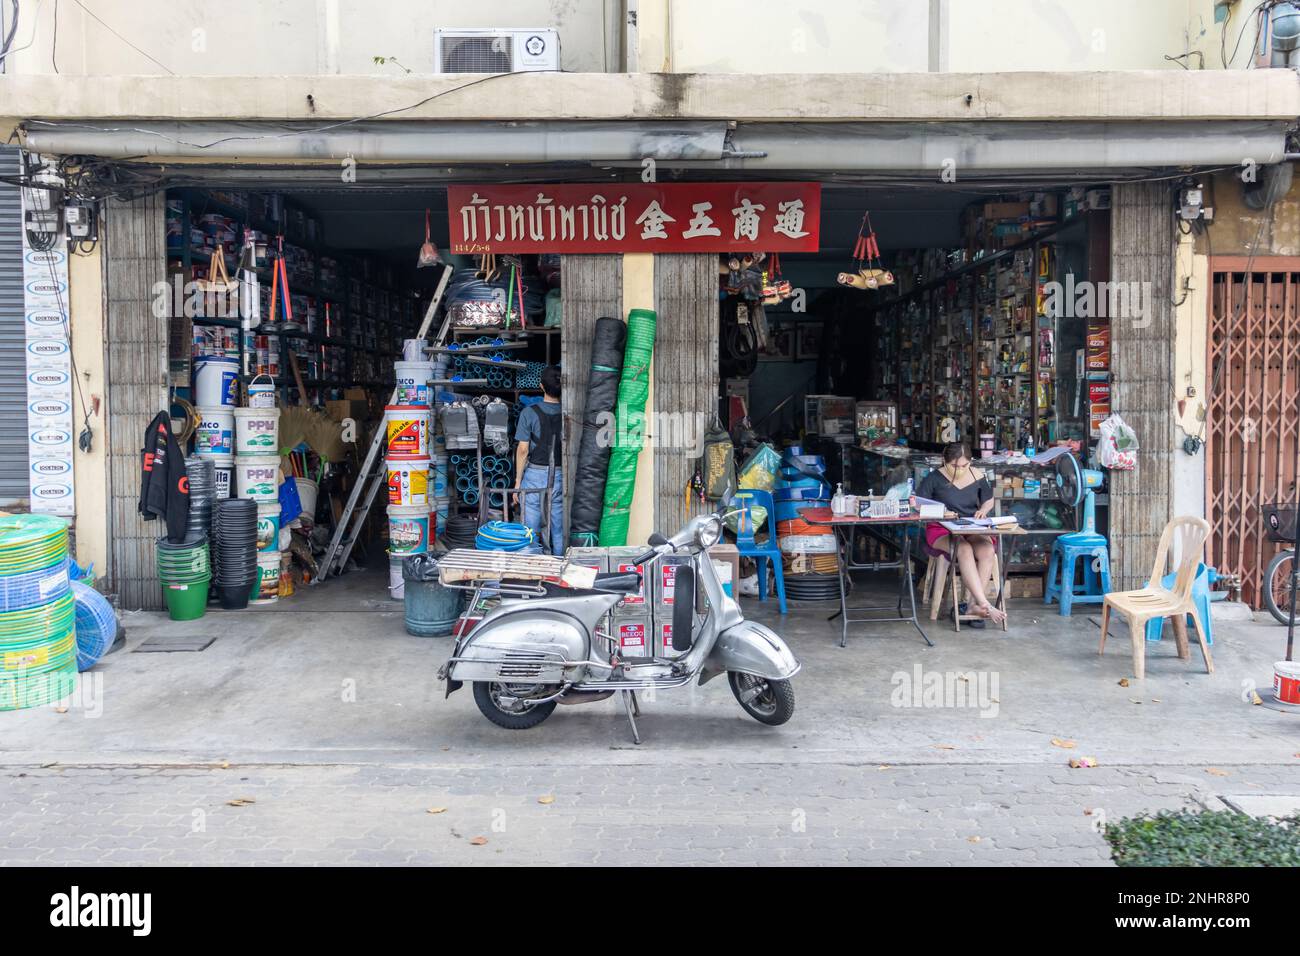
(635, 217)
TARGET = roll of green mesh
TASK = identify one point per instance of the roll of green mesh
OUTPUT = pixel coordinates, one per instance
(629, 436)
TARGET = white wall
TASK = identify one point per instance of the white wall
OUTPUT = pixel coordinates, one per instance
(246, 37)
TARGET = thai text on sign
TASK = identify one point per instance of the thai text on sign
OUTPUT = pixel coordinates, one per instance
(635, 217)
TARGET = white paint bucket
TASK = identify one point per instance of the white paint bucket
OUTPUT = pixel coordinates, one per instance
(1286, 682)
(406, 428)
(268, 528)
(396, 585)
(224, 475)
(261, 394)
(257, 431)
(216, 432)
(307, 491)
(216, 381)
(267, 586)
(413, 382)
(258, 477)
(408, 529)
(408, 481)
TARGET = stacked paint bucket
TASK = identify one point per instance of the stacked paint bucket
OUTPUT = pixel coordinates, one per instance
(216, 388)
(38, 638)
(257, 477)
(407, 462)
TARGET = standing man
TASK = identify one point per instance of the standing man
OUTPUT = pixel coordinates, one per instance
(539, 435)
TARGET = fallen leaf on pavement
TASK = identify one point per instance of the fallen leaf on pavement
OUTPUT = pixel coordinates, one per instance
(225, 765)
(944, 747)
(1123, 682)
(1134, 700)
(973, 839)
(1087, 811)
(1215, 771)
(1063, 744)
(240, 802)
(478, 841)
(436, 810)
(1255, 698)
(1077, 762)
(885, 766)
(546, 799)
(60, 709)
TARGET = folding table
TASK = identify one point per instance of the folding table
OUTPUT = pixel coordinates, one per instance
(844, 528)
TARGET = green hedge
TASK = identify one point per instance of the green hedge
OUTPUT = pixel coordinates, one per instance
(1204, 838)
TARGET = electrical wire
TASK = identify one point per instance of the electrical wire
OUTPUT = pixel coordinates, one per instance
(95, 17)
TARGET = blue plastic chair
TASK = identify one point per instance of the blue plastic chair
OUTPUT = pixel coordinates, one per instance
(745, 501)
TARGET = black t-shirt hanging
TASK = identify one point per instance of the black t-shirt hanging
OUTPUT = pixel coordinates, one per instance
(164, 484)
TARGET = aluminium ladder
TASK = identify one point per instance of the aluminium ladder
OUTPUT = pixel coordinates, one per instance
(373, 475)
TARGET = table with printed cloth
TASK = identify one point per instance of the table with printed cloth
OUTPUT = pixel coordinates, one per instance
(845, 528)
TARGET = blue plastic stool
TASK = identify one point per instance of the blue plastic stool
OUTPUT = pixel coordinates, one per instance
(1066, 551)
(746, 500)
(1200, 596)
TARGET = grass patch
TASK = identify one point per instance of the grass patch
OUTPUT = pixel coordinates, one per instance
(1204, 838)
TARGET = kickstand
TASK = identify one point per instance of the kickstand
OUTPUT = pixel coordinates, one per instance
(633, 711)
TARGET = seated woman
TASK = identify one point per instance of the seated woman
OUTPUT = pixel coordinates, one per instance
(966, 491)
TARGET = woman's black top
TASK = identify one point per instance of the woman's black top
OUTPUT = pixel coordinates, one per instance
(965, 501)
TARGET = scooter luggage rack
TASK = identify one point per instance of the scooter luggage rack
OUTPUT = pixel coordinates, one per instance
(468, 564)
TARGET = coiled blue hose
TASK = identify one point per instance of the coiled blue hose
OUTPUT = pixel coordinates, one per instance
(96, 625)
(503, 536)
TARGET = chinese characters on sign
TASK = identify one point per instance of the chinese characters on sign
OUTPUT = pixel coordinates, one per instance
(635, 217)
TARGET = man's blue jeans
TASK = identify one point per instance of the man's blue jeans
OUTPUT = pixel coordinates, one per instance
(535, 477)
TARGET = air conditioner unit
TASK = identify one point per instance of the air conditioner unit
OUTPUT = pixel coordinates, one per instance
(495, 51)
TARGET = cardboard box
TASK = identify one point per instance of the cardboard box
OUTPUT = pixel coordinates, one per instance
(1025, 586)
(726, 558)
(341, 410)
(1005, 210)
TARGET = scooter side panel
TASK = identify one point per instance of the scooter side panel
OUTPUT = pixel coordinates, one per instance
(750, 648)
(524, 645)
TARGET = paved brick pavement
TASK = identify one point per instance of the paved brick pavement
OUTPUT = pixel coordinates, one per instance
(620, 815)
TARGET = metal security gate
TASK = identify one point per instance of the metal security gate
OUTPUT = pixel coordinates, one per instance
(14, 484)
(1253, 424)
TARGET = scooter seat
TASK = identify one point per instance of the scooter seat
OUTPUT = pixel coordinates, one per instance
(622, 582)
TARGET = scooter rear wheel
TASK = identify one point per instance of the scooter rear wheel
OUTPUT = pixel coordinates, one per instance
(486, 694)
(769, 702)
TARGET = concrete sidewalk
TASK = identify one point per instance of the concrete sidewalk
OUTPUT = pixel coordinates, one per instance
(897, 752)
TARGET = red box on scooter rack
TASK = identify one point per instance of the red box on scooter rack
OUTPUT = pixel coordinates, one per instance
(622, 561)
(632, 634)
(665, 581)
(663, 634)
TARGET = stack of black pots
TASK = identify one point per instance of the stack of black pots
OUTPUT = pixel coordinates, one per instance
(202, 474)
(234, 551)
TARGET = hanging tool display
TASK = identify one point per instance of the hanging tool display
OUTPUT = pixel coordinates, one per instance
(868, 270)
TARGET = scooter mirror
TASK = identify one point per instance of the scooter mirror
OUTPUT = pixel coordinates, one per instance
(656, 540)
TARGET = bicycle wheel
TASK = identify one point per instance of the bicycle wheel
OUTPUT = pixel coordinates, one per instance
(1277, 586)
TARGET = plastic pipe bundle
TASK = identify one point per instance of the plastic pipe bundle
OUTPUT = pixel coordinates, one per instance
(592, 465)
(633, 392)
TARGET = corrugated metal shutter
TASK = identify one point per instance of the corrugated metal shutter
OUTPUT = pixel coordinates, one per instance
(13, 371)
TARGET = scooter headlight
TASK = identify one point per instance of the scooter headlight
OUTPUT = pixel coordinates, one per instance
(709, 532)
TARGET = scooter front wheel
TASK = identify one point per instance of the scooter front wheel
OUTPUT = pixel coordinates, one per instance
(518, 716)
(769, 702)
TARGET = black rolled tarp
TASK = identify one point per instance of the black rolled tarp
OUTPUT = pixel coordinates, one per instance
(590, 470)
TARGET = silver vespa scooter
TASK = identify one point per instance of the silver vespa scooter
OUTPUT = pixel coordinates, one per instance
(545, 645)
